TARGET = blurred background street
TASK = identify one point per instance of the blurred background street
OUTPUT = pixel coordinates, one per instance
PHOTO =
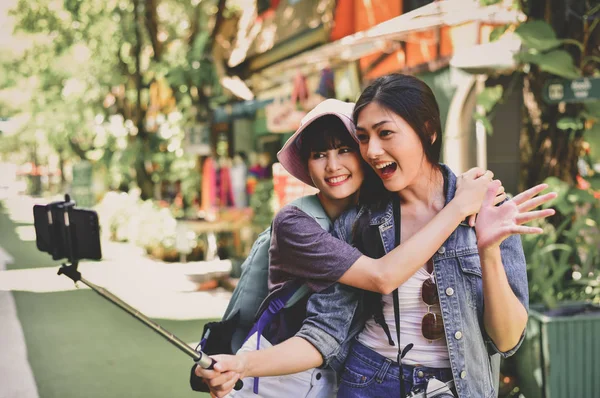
(165, 118)
(68, 341)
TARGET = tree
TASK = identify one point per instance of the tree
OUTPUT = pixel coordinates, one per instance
(563, 42)
(118, 81)
(560, 40)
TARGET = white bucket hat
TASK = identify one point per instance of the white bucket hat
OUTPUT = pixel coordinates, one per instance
(289, 156)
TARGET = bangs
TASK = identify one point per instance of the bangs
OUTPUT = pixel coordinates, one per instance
(324, 134)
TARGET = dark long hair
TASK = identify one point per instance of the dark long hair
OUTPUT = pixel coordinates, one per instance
(412, 100)
(327, 132)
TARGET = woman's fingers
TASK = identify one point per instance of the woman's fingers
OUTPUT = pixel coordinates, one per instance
(494, 194)
(474, 173)
(228, 385)
(499, 198)
(471, 220)
(528, 194)
(205, 373)
(500, 190)
(218, 381)
(523, 218)
(490, 195)
(488, 175)
(537, 201)
(525, 230)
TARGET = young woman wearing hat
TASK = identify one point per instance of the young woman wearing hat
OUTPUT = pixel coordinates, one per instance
(320, 259)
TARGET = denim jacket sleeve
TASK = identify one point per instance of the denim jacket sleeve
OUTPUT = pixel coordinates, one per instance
(329, 317)
(332, 315)
(513, 259)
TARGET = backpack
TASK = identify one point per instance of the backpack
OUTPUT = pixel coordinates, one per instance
(252, 292)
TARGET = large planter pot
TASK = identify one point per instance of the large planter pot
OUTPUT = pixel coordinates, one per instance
(560, 357)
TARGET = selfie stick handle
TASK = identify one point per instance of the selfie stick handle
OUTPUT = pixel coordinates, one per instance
(203, 360)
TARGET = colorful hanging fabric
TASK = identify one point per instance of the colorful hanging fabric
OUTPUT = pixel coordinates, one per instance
(209, 185)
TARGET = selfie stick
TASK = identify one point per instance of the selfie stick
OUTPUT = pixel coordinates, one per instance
(203, 360)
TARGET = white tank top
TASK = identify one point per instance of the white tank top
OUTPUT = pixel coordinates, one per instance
(412, 309)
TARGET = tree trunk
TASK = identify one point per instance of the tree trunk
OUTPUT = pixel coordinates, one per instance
(142, 176)
(545, 149)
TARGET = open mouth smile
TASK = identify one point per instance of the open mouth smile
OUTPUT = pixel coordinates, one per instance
(386, 169)
(337, 180)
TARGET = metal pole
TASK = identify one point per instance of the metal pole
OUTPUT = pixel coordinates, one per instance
(176, 341)
(203, 360)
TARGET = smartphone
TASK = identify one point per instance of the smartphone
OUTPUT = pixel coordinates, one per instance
(48, 235)
(58, 235)
(87, 234)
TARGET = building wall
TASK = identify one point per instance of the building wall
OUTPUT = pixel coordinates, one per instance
(503, 152)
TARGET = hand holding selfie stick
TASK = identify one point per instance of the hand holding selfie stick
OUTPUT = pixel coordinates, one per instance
(70, 270)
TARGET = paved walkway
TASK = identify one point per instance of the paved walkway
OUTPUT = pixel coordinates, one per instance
(159, 290)
(16, 377)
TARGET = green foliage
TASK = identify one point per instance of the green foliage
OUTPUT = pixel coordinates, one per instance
(537, 36)
(556, 62)
(81, 71)
(486, 101)
(591, 111)
(489, 97)
(489, 2)
(564, 262)
(569, 124)
(260, 202)
(498, 31)
(485, 120)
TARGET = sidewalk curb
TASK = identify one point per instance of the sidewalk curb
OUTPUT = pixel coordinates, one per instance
(16, 377)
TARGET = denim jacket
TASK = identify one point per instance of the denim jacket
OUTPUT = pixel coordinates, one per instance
(474, 358)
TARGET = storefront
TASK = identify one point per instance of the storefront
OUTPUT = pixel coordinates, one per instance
(294, 54)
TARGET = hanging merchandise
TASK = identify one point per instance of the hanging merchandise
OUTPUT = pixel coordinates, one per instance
(326, 84)
(310, 99)
(347, 82)
(209, 186)
(282, 116)
(225, 187)
(239, 175)
(262, 6)
(300, 91)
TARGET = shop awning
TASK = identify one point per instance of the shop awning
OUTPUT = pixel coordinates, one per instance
(244, 109)
(382, 37)
(291, 28)
(386, 35)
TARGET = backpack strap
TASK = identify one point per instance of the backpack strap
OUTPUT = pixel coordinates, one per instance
(311, 205)
(302, 291)
(401, 353)
(277, 301)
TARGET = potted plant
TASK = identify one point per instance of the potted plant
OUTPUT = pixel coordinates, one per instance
(561, 351)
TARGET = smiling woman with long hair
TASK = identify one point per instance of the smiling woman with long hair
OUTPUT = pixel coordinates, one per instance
(435, 324)
(437, 268)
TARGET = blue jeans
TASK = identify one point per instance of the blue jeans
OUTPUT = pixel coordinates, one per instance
(369, 374)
